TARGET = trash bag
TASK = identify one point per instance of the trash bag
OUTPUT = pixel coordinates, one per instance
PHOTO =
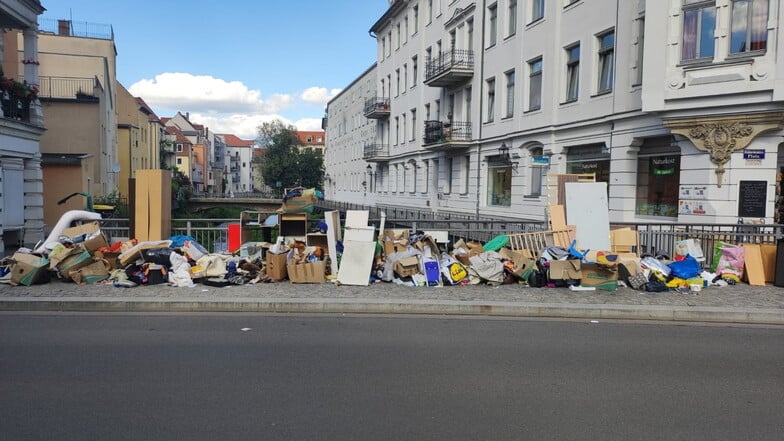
(158, 256)
(688, 268)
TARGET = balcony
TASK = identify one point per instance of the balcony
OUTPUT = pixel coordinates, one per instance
(15, 107)
(450, 135)
(377, 108)
(376, 152)
(450, 68)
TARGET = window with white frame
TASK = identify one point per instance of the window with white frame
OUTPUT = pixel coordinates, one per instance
(492, 24)
(448, 177)
(179, 148)
(389, 46)
(413, 124)
(425, 176)
(415, 13)
(538, 171)
(535, 84)
(749, 27)
(397, 82)
(397, 130)
(537, 10)
(405, 119)
(512, 18)
(572, 72)
(429, 11)
(510, 93)
(606, 61)
(405, 29)
(699, 24)
(405, 77)
(466, 173)
(398, 37)
(490, 100)
(640, 49)
(467, 104)
(414, 71)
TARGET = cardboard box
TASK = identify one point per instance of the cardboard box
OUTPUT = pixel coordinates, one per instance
(394, 241)
(111, 257)
(276, 266)
(565, 270)
(28, 269)
(76, 259)
(599, 276)
(135, 252)
(407, 266)
(88, 228)
(152, 207)
(523, 261)
(307, 272)
(94, 244)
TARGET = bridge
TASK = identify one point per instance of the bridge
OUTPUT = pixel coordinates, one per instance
(201, 203)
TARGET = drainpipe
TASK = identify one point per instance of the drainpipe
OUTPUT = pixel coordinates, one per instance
(481, 107)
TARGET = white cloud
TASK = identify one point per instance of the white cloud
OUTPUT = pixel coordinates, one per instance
(318, 95)
(227, 106)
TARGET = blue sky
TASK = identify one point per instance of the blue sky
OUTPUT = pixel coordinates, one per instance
(233, 64)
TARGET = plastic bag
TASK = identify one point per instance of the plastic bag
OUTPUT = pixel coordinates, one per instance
(687, 268)
(655, 265)
(731, 261)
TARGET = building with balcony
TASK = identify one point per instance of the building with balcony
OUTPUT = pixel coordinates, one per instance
(239, 153)
(348, 173)
(21, 127)
(486, 99)
(78, 94)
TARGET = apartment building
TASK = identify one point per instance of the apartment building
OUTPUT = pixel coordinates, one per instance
(138, 138)
(476, 103)
(78, 95)
(21, 127)
(238, 163)
(349, 137)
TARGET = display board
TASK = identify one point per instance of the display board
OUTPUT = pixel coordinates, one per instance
(587, 210)
(752, 198)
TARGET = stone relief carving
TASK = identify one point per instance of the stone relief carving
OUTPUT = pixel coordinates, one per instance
(720, 140)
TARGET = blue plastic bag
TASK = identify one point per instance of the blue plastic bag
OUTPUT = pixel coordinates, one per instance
(687, 268)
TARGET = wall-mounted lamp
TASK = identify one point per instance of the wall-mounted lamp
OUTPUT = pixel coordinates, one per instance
(503, 156)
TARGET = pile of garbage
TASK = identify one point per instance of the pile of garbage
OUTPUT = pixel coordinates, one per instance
(83, 255)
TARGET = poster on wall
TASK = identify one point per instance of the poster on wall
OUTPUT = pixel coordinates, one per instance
(693, 192)
(693, 207)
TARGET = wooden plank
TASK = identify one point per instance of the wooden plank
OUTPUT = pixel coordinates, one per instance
(557, 216)
(769, 261)
(755, 270)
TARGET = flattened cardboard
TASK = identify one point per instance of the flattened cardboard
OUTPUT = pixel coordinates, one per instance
(307, 272)
(769, 261)
(565, 270)
(88, 228)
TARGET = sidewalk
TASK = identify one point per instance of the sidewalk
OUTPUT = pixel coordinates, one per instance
(733, 304)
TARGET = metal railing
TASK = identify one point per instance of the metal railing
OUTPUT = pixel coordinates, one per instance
(655, 238)
(437, 132)
(62, 87)
(15, 107)
(376, 105)
(375, 151)
(76, 28)
(454, 59)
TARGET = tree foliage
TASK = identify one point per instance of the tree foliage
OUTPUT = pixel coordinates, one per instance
(283, 164)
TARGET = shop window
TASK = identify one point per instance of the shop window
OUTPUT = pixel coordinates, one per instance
(590, 159)
(658, 181)
(499, 188)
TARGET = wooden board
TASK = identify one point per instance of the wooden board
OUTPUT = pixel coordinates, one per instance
(755, 270)
(769, 261)
(557, 217)
(332, 218)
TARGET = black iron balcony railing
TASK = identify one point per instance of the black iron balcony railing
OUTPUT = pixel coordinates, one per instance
(15, 107)
(440, 132)
(375, 152)
(377, 107)
(449, 68)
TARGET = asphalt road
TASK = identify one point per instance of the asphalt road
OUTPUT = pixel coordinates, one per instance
(283, 377)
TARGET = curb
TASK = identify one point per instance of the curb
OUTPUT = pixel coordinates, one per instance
(408, 306)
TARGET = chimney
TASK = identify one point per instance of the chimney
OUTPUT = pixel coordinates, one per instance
(64, 28)
(188, 116)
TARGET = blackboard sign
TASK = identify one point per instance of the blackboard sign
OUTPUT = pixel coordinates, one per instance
(752, 198)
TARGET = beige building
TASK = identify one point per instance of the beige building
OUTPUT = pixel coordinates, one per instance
(21, 127)
(79, 96)
(138, 138)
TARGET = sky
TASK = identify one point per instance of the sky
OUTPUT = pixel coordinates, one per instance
(234, 64)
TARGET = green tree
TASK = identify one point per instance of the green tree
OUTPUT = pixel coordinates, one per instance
(282, 163)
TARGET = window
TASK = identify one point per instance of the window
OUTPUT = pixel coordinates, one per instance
(397, 40)
(510, 93)
(383, 88)
(438, 110)
(397, 130)
(319, 139)
(427, 112)
(490, 100)
(448, 180)
(405, 77)
(512, 20)
(405, 120)
(466, 173)
(179, 161)
(538, 171)
(429, 11)
(426, 176)
(537, 10)
(606, 61)
(397, 82)
(749, 26)
(389, 46)
(467, 107)
(179, 148)
(492, 24)
(413, 124)
(640, 49)
(415, 28)
(572, 72)
(699, 23)
(309, 139)
(414, 71)
(535, 84)
(499, 188)
(658, 181)
(405, 29)
(470, 35)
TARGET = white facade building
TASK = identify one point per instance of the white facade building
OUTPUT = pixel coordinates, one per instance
(479, 101)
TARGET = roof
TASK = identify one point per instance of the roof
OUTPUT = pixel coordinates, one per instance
(147, 109)
(303, 137)
(63, 158)
(234, 141)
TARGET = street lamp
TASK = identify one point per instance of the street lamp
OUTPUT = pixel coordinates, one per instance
(503, 155)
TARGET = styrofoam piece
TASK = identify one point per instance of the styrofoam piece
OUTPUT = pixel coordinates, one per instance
(357, 218)
(64, 222)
